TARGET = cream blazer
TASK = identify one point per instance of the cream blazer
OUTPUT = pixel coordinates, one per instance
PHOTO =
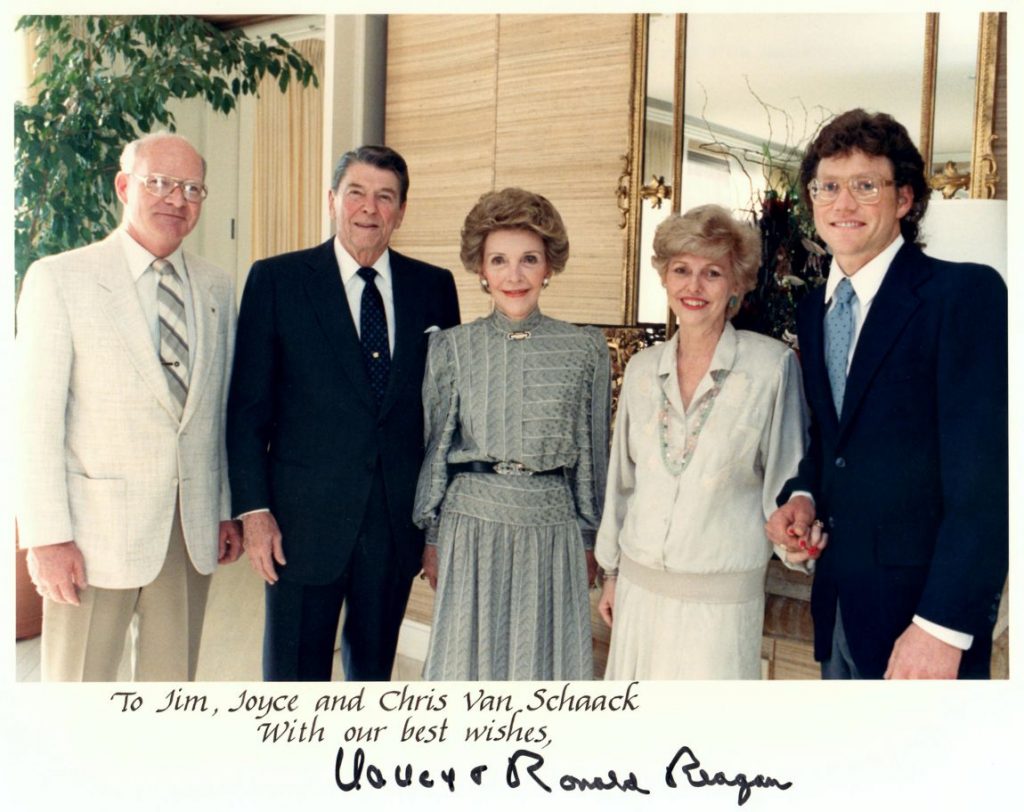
(101, 456)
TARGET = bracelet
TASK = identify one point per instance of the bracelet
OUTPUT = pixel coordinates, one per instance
(609, 573)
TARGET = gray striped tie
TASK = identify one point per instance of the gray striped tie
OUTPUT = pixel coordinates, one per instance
(170, 299)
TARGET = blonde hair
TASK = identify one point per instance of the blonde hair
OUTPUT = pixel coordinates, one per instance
(711, 231)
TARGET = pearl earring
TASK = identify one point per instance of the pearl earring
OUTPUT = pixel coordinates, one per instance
(546, 282)
(485, 286)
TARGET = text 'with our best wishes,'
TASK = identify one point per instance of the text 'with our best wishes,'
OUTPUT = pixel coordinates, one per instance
(389, 718)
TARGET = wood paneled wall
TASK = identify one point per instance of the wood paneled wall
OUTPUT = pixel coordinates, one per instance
(481, 102)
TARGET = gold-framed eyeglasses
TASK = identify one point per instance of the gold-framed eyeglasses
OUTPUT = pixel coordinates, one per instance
(864, 188)
(163, 185)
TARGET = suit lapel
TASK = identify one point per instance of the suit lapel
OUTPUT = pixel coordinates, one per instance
(204, 306)
(405, 294)
(812, 352)
(892, 307)
(129, 323)
(330, 306)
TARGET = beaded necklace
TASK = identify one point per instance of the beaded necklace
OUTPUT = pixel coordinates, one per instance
(676, 459)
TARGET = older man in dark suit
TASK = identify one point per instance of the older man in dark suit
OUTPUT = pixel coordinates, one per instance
(905, 368)
(325, 427)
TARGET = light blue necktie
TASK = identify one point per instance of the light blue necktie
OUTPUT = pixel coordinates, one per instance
(838, 336)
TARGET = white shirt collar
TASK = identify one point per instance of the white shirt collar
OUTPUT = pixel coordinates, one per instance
(868, 279)
(139, 259)
(724, 356)
(349, 267)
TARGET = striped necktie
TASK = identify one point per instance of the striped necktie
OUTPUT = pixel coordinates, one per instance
(170, 298)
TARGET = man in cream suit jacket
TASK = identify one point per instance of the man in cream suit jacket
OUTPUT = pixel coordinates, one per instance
(124, 351)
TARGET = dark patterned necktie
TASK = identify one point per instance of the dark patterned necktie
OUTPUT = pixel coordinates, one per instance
(170, 297)
(373, 333)
(838, 335)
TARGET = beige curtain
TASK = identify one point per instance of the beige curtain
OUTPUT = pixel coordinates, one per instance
(288, 195)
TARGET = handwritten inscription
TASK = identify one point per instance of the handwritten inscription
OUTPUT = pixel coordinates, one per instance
(689, 765)
(420, 717)
(525, 768)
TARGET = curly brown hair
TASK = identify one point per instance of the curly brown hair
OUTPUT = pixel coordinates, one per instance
(517, 210)
(877, 134)
(711, 231)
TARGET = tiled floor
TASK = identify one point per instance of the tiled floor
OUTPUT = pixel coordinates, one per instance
(232, 636)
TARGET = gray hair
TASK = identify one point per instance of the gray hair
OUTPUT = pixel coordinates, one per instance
(378, 156)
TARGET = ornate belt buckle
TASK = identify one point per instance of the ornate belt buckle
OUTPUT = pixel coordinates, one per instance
(511, 469)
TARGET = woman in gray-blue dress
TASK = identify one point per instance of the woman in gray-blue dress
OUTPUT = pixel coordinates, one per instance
(516, 410)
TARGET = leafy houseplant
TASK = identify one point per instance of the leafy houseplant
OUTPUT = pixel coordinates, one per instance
(793, 261)
(109, 80)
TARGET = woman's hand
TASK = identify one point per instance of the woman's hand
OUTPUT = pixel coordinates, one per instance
(817, 540)
(430, 565)
(606, 603)
(591, 568)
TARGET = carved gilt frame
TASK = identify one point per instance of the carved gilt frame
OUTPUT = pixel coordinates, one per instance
(984, 171)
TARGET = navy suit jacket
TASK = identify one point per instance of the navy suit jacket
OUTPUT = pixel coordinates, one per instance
(911, 479)
(304, 433)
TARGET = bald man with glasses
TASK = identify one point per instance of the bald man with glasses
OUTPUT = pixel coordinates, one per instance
(905, 369)
(124, 352)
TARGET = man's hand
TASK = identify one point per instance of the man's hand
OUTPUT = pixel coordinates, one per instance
(58, 571)
(263, 544)
(430, 565)
(606, 603)
(919, 655)
(229, 542)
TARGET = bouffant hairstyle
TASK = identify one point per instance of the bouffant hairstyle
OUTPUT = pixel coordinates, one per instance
(873, 134)
(517, 210)
(711, 231)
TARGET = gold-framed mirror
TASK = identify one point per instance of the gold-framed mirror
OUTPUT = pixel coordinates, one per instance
(706, 134)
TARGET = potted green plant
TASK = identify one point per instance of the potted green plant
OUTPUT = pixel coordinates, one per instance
(104, 81)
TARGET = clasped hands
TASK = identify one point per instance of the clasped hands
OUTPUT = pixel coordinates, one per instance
(794, 527)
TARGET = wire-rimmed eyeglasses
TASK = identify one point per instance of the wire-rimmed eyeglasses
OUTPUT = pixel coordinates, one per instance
(864, 188)
(163, 185)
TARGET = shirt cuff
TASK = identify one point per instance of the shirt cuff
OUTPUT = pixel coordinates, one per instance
(803, 493)
(252, 512)
(960, 640)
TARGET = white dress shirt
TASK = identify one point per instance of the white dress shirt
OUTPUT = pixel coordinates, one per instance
(354, 284)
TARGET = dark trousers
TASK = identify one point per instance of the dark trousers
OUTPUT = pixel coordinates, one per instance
(302, 619)
(840, 664)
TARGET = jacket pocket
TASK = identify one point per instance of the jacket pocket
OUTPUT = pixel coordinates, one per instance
(98, 519)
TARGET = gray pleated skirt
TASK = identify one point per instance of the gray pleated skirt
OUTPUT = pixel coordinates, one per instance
(512, 598)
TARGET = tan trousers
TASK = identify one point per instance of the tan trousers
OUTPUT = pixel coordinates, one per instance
(85, 643)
